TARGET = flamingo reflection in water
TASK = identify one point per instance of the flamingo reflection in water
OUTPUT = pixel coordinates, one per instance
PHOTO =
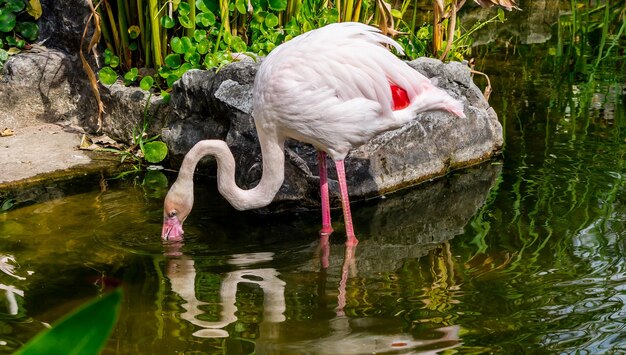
(7, 266)
(182, 275)
(342, 337)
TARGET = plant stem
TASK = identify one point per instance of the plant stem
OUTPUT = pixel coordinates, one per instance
(153, 10)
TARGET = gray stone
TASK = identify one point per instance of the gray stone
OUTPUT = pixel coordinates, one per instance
(390, 232)
(126, 111)
(62, 24)
(43, 87)
(217, 105)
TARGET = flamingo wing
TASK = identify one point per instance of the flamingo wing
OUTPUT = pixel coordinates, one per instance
(332, 87)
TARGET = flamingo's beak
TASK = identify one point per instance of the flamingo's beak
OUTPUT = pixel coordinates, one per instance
(172, 229)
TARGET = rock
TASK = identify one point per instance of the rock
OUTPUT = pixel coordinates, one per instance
(393, 232)
(126, 111)
(216, 105)
(62, 24)
(43, 87)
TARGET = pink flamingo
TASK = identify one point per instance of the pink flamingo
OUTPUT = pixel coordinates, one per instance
(335, 88)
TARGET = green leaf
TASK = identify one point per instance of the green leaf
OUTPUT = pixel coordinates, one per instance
(8, 203)
(171, 79)
(199, 35)
(259, 16)
(167, 22)
(165, 72)
(131, 75)
(14, 6)
(241, 6)
(33, 7)
(107, 76)
(111, 59)
(193, 58)
(202, 5)
(146, 83)
(166, 96)
(7, 21)
(188, 46)
(277, 5)
(28, 30)
(238, 45)
(134, 31)
(84, 331)
(154, 152)
(271, 20)
(177, 45)
(173, 60)
(4, 55)
(185, 21)
(184, 9)
(396, 13)
(205, 19)
(203, 46)
(500, 14)
(155, 180)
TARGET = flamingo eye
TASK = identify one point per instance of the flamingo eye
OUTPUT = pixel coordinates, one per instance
(172, 213)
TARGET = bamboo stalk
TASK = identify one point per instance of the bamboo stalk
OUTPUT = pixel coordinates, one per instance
(142, 30)
(116, 37)
(357, 11)
(348, 10)
(105, 30)
(124, 50)
(192, 17)
(155, 30)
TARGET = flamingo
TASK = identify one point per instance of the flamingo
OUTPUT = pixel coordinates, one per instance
(335, 88)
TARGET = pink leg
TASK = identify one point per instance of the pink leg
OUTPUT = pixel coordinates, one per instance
(326, 227)
(345, 203)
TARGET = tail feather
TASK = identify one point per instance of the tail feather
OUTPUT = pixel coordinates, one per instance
(434, 98)
(431, 99)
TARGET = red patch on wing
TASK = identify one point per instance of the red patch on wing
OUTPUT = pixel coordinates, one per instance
(400, 97)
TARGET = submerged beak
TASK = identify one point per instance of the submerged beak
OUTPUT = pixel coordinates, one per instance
(172, 229)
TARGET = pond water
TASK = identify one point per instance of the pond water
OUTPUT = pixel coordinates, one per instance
(523, 254)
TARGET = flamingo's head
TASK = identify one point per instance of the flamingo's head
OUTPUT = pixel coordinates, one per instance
(176, 208)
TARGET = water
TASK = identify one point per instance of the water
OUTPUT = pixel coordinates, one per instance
(520, 255)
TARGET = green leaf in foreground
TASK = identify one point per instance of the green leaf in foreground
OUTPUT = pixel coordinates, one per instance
(154, 152)
(7, 21)
(83, 331)
(146, 83)
(28, 30)
(107, 76)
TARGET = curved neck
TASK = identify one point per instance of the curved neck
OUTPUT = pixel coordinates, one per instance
(259, 196)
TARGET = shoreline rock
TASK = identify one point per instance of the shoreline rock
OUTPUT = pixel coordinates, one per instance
(210, 104)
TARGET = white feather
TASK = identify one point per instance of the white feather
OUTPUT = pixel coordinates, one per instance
(330, 87)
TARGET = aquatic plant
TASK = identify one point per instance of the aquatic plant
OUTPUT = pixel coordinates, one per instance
(84, 331)
(18, 29)
(164, 39)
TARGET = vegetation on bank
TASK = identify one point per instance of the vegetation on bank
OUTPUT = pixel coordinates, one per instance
(18, 29)
(154, 42)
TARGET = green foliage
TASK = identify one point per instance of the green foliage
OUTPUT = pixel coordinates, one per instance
(17, 26)
(154, 152)
(590, 36)
(174, 37)
(6, 205)
(84, 331)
